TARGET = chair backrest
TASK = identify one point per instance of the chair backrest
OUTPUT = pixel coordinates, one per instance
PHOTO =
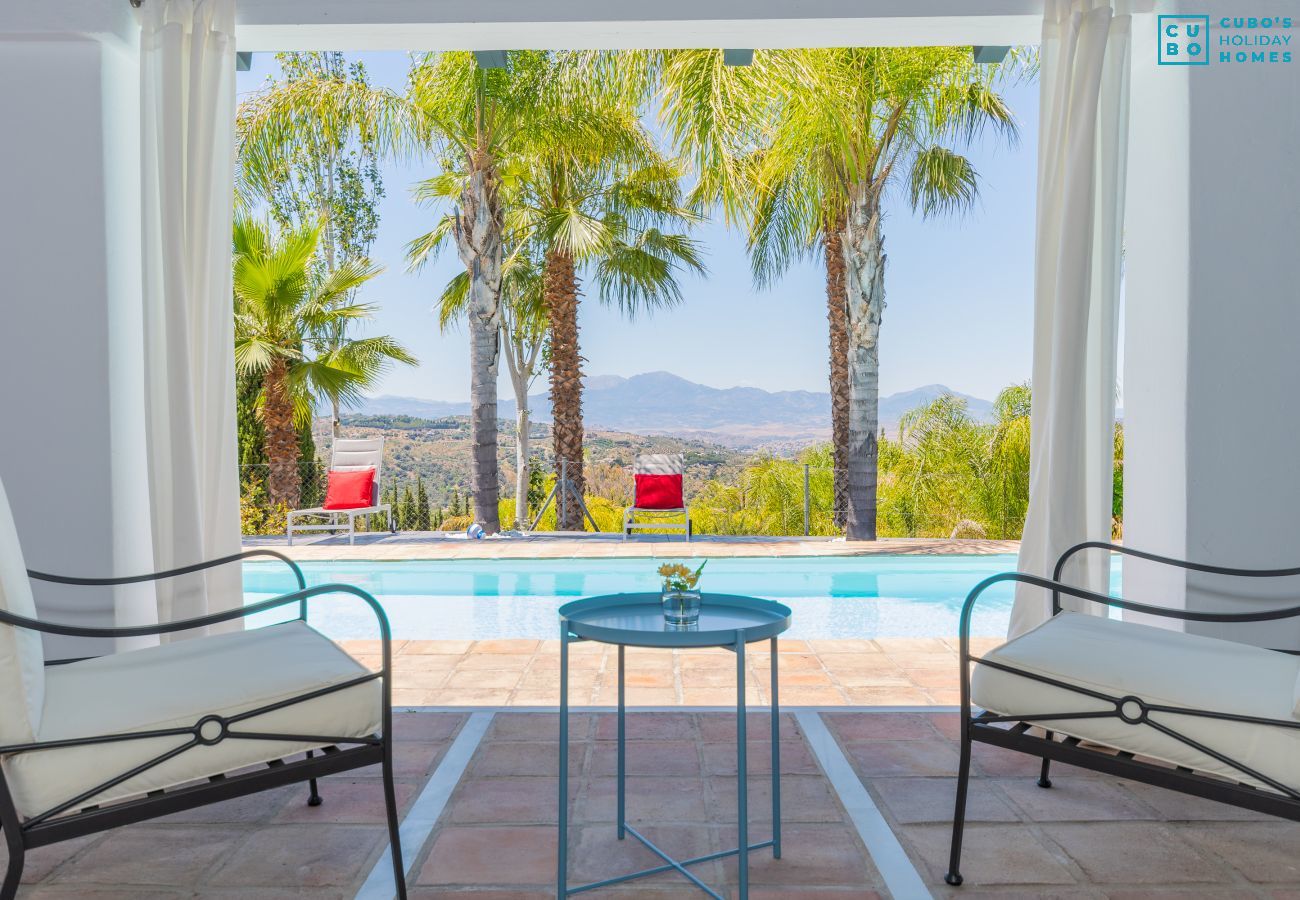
(350, 454)
(658, 479)
(22, 657)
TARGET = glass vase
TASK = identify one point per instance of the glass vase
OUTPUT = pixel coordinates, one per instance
(681, 608)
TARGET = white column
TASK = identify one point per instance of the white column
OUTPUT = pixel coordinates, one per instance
(1212, 332)
(72, 455)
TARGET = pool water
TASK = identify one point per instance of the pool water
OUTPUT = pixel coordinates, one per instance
(862, 597)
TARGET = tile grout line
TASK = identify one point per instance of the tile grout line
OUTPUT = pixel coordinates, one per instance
(420, 819)
(901, 877)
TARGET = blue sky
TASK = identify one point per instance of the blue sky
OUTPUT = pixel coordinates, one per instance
(959, 291)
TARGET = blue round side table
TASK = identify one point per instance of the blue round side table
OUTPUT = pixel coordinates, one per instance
(636, 620)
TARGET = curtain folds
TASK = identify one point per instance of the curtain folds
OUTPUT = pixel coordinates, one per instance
(1083, 141)
(187, 95)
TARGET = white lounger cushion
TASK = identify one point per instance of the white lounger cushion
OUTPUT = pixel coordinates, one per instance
(177, 684)
(1160, 666)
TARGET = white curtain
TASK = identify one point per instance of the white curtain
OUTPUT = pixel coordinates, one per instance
(1083, 141)
(187, 94)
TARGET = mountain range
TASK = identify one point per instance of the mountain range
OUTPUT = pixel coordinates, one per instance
(658, 403)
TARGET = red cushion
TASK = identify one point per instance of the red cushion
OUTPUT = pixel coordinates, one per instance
(349, 490)
(659, 492)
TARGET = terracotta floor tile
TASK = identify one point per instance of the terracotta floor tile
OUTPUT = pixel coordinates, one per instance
(651, 758)
(1262, 852)
(492, 678)
(886, 696)
(523, 758)
(1074, 800)
(418, 648)
(879, 726)
(669, 726)
(910, 800)
(651, 800)
(301, 856)
(506, 646)
(879, 758)
(472, 855)
(991, 855)
(796, 758)
(1136, 853)
(810, 855)
(505, 801)
(171, 854)
(466, 696)
(349, 801)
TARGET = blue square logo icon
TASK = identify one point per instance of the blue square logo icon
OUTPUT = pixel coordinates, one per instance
(1183, 41)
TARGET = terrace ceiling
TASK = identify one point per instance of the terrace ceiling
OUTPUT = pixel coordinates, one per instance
(268, 25)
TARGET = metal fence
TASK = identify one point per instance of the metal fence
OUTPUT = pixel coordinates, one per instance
(767, 496)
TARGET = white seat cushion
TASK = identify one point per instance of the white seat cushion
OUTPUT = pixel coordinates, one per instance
(176, 685)
(1160, 666)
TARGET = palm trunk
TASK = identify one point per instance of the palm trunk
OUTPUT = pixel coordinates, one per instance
(837, 314)
(864, 259)
(478, 238)
(335, 424)
(560, 285)
(284, 482)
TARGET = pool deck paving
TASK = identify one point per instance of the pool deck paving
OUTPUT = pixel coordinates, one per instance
(491, 835)
(559, 545)
(887, 672)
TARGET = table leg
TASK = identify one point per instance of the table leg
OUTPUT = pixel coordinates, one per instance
(776, 761)
(622, 747)
(742, 772)
(562, 874)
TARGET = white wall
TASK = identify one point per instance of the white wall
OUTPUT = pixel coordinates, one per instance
(1212, 366)
(72, 457)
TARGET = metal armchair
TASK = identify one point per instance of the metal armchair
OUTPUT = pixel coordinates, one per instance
(133, 736)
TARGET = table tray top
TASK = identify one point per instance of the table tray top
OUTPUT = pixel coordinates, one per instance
(638, 620)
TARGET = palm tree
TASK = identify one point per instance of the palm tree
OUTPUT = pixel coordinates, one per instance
(547, 154)
(803, 146)
(607, 209)
(477, 117)
(523, 333)
(309, 145)
(282, 307)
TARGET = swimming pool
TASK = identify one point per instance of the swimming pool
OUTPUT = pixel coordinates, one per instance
(861, 597)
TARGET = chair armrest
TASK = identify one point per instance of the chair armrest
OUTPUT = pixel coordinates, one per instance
(1058, 572)
(300, 596)
(170, 573)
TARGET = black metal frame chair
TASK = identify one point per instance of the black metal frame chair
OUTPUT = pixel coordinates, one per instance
(339, 754)
(1013, 732)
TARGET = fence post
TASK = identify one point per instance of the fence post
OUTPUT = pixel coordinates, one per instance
(806, 503)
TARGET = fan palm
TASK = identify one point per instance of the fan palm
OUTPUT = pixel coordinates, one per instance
(803, 146)
(282, 309)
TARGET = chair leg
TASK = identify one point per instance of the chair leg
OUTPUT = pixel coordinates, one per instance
(313, 798)
(1043, 780)
(14, 873)
(394, 838)
(959, 814)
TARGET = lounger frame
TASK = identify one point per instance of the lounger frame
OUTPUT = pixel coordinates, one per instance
(1014, 732)
(338, 754)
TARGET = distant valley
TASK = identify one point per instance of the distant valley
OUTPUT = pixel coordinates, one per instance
(663, 404)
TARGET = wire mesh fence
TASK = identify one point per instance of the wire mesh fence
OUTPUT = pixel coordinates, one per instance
(768, 496)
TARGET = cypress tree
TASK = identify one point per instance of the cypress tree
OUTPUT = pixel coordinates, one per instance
(408, 509)
(421, 505)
